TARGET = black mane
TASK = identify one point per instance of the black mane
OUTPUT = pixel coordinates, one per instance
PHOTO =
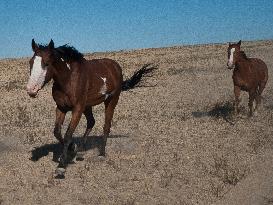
(68, 53)
(242, 53)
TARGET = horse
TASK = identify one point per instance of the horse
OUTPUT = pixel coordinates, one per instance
(249, 74)
(78, 85)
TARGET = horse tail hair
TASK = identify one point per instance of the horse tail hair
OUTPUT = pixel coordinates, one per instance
(137, 77)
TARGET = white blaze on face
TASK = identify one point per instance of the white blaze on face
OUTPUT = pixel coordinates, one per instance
(230, 60)
(37, 76)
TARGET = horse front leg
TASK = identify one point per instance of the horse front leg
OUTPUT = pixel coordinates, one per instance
(60, 116)
(237, 91)
(68, 144)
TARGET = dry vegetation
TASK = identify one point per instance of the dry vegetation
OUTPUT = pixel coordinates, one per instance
(174, 143)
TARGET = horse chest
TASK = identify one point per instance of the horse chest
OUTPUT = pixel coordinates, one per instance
(61, 99)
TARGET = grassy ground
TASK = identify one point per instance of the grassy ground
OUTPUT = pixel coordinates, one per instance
(173, 142)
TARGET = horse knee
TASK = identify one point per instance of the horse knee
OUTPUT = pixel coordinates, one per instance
(58, 135)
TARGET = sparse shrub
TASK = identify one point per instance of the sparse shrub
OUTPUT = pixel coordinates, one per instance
(13, 85)
(175, 71)
(23, 116)
(228, 173)
(166, 179)
(217, 189)
(267, 200)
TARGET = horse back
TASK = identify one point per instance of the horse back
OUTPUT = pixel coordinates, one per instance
(105, 68)
(259, 68)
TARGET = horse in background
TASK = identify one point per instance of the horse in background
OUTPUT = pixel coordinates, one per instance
(249, 74)
(78, 85)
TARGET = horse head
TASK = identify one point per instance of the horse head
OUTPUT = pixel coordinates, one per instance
(40, 67)
(233, 54)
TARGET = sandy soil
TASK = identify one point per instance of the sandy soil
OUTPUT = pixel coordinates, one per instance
(174, 141)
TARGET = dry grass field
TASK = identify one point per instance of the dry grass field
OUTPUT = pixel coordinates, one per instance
(173, 141)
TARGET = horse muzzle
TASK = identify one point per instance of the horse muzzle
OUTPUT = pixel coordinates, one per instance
(230, 66)
(33, 91)
(32, 94)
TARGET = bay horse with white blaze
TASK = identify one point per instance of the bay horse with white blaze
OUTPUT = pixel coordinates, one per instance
(78, 85)
(249, 74)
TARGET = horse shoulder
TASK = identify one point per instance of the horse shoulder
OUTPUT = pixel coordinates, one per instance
(60, 97)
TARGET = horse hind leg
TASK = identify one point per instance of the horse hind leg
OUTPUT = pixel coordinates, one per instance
(258, 98)
(90, 124)
(252, 96)
(237, 91)
(110, 105)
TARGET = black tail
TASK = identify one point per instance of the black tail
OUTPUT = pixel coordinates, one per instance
(136, 78)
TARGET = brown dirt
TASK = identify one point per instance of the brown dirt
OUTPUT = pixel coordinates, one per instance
(173, 143)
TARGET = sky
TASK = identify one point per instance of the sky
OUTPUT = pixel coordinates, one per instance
(109, 25)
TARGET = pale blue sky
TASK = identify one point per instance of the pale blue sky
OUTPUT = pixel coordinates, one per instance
(106, 25)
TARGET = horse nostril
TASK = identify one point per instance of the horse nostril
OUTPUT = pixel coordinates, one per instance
(32, 94)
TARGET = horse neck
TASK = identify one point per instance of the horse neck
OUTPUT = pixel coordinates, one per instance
(242, 56)
(241, 59)
(62, 74)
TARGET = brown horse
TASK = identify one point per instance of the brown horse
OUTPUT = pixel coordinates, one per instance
(79, 84)
(249, 74)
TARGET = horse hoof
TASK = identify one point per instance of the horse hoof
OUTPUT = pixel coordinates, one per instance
(60, 176)
(250, 116)
(73, 148)
(101, 158)
(255, 114)
(60, 173)
(79, 157)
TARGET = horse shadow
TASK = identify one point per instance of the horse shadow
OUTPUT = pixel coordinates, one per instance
(222, 110)
(56, 148)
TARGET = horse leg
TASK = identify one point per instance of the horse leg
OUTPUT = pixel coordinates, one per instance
(68, 144)
(252, 96)
(237, 91)
(60, 115)
(90, 124)
(109, 112)
(258, 98)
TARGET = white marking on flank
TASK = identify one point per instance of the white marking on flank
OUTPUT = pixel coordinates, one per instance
(103, 89)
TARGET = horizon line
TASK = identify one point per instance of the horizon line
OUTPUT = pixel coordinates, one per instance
(85, 53)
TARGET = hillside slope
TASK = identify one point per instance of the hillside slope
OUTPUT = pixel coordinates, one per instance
(173, 141)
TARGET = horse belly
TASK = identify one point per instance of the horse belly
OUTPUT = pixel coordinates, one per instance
(93, 100)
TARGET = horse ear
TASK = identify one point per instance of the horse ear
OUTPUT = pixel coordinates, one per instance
(34, 45)
(239, 43)
(51, 44)
(229, 44)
